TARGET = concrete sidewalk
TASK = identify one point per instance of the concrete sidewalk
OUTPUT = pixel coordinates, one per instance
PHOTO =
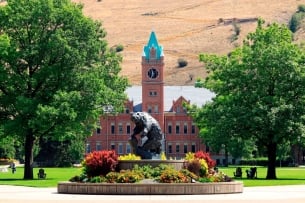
(278, 194)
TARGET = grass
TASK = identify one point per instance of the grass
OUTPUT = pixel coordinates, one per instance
(54, 175)
(285, 175)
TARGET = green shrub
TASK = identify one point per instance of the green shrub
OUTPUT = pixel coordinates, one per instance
(263, 161)
(236, 29)
(75, 179)
(112, 177)
(189, 174)
(157, 171)
(151, 172)
(80, 178)
(199, 83)
(296, 19)
(129, 177)
(119, 48)
(301, 8)
(205, 180)
(124, 176)
(147, 170)
(98, 179)
(172, 176)
(220, 20)
(182, 62)
(217, 177)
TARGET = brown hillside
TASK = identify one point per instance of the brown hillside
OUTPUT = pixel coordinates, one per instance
(184, 29)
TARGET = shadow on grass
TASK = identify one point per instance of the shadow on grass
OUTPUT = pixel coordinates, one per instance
(268, 179)
(21, 179)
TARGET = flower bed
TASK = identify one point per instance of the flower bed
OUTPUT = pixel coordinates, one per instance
(106, 173)
(129, 164)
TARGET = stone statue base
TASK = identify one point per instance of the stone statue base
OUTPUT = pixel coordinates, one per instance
(150, 150)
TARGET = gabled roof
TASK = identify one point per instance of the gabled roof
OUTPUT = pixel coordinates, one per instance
(179, 102)
(197, 96)
(153, 43)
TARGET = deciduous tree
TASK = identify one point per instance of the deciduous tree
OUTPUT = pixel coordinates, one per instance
(56, 72)
(260, 90)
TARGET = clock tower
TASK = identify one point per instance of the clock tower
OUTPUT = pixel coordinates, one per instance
(152, 79)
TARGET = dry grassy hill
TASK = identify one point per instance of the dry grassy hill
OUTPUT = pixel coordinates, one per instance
(183, 28)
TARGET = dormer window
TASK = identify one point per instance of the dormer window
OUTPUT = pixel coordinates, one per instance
(153, 54)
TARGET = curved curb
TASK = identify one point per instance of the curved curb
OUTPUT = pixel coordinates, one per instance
(150, 189)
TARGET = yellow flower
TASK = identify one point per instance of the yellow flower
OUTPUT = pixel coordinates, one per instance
(129, 157)
(163, 156)
(190, 156)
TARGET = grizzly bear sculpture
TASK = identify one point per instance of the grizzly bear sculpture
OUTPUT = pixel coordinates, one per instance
(147, 136)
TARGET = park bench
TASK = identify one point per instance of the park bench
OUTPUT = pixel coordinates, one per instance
(41, 174)
(252, 173)
(238, 173)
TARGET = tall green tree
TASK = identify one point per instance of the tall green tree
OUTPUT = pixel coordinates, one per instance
(261, 88)
(7, 146)
(215, 121)
(56, 72)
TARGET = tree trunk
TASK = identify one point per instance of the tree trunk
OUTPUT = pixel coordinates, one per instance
(271, 150)
(28, 148)
(226, 157)
(297, 154)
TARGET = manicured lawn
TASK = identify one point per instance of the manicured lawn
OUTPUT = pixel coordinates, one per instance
(286, 176)
(54, 175)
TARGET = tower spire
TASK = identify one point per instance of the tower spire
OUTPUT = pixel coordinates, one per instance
(153, 44)
(153, 79)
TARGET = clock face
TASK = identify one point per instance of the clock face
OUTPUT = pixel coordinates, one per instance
(152, 73)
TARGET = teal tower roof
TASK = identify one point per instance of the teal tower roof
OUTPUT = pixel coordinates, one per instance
(153, 43)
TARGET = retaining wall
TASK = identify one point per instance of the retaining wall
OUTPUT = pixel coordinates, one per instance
(150, 189)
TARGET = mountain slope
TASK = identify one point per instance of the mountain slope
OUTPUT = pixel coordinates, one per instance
(183, 28)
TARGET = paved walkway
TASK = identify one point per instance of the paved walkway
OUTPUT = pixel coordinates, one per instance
(274, 194)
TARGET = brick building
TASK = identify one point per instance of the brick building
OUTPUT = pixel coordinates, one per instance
(165, 103)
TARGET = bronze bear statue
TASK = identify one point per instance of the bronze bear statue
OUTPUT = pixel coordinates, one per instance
(149, 134)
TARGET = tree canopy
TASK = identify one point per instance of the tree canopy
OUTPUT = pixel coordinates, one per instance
(260, 93)
(56, 72)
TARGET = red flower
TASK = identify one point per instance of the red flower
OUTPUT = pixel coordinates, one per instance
(99, 163)
(206, 156)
